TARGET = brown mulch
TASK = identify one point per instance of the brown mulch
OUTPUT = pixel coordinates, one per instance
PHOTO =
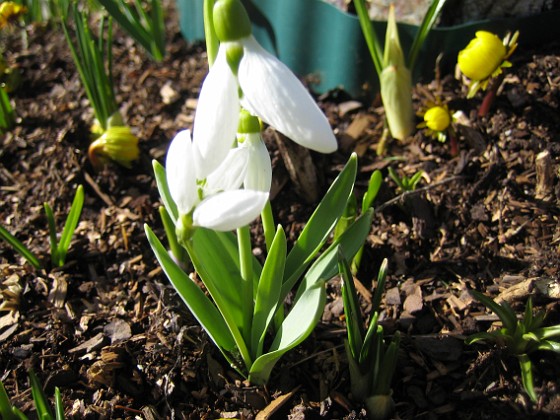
(110, 332)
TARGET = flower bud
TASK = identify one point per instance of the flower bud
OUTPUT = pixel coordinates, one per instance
(396, 83)
(231, 21)
(117, 143)
(437, 118)
(396, 88)
(482, 56)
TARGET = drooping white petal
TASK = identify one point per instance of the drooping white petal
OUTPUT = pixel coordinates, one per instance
(273, 93)
(259, 170)
(180, 172)
(230, 174)
(229, 210)
(217, 115)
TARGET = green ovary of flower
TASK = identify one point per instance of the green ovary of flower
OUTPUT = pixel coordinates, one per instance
(437, 118)
(482, 57)
(231, 21)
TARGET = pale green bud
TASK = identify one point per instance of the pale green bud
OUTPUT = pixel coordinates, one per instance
(396, 94)
(231, 21)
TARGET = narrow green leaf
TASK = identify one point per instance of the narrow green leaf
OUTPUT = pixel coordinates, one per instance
(215, 259)
(352, 313)
(425, 27)
(297, 326)
(374, 333)
(20, 248)
(268, 291)
(382, 384)
(326, 266)
(504, 311)
(41, 402)
(548, 332)
(482, 336)
(320, 224)
(370, 36)
(163, 188)
(6, 409)
(178, 251)
(70, 224)
(198, 303)
(549, 345)
(374, 185)
(53, 240)
(58, 406)
(381, 276)
(527, 376)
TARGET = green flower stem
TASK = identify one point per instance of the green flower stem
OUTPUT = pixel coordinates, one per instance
(212, 43)
(246, 264)
(268, 225)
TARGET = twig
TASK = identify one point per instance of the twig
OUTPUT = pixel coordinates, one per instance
(404, 195)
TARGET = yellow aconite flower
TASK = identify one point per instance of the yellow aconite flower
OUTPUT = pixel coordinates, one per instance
(484, 57)
(437, 118)
(10, 12)
(437, 121)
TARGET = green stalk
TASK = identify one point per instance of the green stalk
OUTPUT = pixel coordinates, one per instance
(246, 264)
(212, 43)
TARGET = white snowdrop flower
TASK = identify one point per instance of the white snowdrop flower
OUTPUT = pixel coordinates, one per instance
(217, 202)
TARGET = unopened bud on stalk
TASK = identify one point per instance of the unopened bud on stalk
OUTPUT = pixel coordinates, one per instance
(231, 21)
(117, 143)
(396, 84)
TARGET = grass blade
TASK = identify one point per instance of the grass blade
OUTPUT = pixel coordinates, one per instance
(370, 36)
(425, 27)
(70, 225)
(20, 248)
(41, 402)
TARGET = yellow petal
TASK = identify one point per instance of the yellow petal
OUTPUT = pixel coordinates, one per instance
(437, 118)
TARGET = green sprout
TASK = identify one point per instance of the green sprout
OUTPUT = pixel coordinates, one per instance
(42, 406)
(393, 71)
(59, 248)
(145, 27)
(519, 337)
(7, 114)
(405, 183)
(372, 361)
(113, 140)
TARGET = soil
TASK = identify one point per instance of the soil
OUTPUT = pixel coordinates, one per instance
(109, 330)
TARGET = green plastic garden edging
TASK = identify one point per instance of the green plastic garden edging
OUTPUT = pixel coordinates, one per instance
(316, 39)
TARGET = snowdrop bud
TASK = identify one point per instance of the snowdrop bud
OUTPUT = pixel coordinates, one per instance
(231, 21)
(437, 118)
(482, 56)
